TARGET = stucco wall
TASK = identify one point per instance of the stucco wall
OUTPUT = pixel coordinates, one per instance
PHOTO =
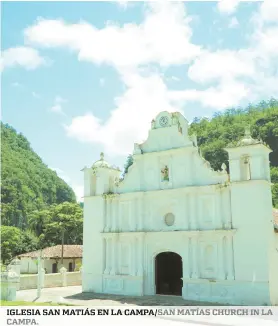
(29, 265)
(50, 280)
(273, 275)
(221, 229)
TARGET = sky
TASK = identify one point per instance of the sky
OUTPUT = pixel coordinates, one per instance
(79, 78)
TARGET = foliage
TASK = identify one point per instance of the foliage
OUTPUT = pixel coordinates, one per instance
(10, 238)
(27, 183)
(228, 127)
(65, 218)
(128, 163)
(46, 229)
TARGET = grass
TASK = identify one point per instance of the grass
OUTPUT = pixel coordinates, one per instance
(25, 303)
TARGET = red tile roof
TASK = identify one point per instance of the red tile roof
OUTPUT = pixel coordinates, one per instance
(70, 251)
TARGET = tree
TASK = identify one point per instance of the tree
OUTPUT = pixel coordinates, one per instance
(228, 127)
(128, 163)
(10, 239)
(67, 219)
(27, 184)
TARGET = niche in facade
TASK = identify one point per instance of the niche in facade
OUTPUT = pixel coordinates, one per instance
(245, 170)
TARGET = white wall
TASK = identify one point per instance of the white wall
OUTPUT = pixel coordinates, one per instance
(124, 232)
(273, 275)
(50, 280)
(29, 265)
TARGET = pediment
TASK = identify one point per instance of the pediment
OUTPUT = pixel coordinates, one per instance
(168, 131)
(169, 158)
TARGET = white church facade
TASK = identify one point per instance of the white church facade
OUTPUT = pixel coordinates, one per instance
(175, 226)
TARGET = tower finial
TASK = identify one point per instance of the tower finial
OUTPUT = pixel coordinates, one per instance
(102, 156)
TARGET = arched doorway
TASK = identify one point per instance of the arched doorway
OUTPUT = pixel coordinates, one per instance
(168, 273)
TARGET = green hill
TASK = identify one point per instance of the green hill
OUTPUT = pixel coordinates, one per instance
(27, 184)
(228, 127)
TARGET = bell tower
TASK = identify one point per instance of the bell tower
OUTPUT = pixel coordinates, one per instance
(251, 205)
(249, 159)
(100, 178)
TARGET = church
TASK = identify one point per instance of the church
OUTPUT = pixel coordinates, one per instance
(174, 226)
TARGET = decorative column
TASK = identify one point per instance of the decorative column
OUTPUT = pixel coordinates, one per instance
(134, 256)
(105, 204)
(114, 243)
(195, 272)
(116, 214)
(108, 214)
(113, 227)
(107, 256)
(132, 215)
(186, 259)
(230, 257)
(63, 272)
(193, 225)
(221, 268)
(140, 260)
(140, 214)
(219, 198)
(10, 281)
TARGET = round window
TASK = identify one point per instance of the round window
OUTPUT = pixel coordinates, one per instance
(169, 219)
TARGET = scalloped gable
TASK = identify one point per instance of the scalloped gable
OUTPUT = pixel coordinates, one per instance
(169, 147)
(168, 131)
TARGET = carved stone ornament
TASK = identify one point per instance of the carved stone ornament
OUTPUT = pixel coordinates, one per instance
(165, 173)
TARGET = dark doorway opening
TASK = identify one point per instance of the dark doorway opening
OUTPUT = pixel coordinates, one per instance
(70, 267)
(168, 273)
(54, 268)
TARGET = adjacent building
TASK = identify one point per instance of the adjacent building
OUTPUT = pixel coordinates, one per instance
(52, 259)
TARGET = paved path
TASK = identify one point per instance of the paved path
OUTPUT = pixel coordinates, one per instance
(73, 295)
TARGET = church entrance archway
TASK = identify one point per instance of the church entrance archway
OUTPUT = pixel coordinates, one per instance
(168, 273)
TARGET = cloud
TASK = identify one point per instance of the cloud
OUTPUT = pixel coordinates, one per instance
(57, 107)
(164, 38)
(130, 120)
(25, 57)
(223, 78)
(227, 6)
(269, 11)
(233, 22)
(221, 64)
(227, 94)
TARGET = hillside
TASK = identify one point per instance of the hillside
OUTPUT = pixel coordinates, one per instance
(228, 127)
(27, 183)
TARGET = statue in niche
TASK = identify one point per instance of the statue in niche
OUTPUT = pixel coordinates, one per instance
(165, 173)
(223, 168)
